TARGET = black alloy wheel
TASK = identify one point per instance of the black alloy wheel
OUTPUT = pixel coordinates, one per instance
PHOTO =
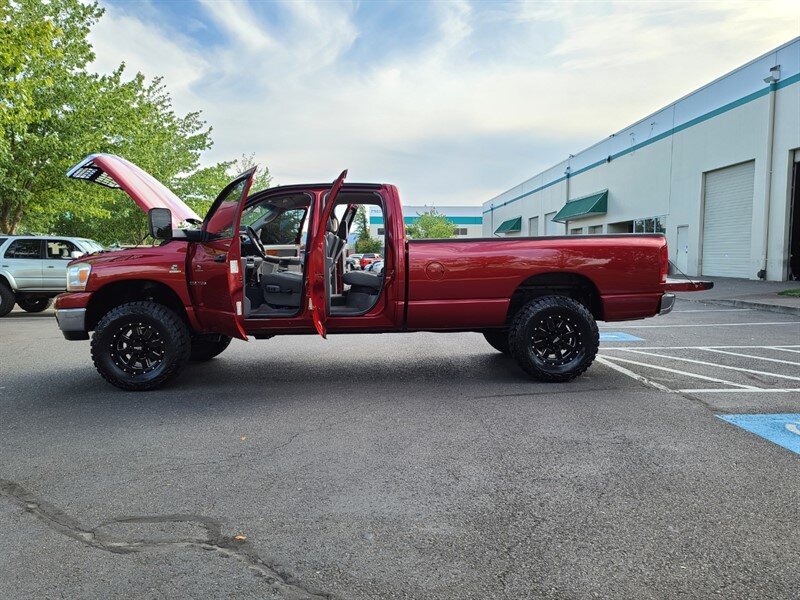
(554, 338)
(137, 348)
(140, 345)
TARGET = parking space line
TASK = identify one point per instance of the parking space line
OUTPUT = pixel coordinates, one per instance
(618, 326)
(705, 310)
(633, 375)
(710, 364)
(686, 373)
(753, 391)
(704, 347)
(775, 360)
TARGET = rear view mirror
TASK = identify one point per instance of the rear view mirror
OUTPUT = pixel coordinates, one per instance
(75, 254)
(159, 223)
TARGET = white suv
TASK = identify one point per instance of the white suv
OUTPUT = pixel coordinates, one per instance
(33, 269)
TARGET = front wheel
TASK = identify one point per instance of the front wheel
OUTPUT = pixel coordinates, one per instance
(206, 347)
(554, 338)
(6, 299)
(34, 304)
(140, 346)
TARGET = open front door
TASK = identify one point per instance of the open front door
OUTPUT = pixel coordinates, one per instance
(318, 279)
(216, 278)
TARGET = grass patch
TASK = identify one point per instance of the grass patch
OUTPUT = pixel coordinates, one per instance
(794, 292)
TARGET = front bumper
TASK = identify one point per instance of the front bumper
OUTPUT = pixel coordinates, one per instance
(72, 323)
(667, 304)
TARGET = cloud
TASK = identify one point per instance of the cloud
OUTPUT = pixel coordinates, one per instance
(453, 101)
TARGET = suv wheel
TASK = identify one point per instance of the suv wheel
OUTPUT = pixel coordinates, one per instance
(140, 346)
(554, 338)
(34, 304)
(206, 347)
(6, 299)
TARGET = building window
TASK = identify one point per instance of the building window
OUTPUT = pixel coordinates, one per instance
(650, 225)
(460, 231)
(381, 231)
(595, 229)
(533, 226)
(576, 231)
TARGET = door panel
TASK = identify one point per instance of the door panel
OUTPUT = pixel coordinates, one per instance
(216, 278)
(682, 256)
(318, 275)
(23, 259)
(57, 255)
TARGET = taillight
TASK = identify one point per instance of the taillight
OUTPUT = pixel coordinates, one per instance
(664, 263)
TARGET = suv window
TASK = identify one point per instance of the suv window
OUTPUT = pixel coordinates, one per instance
(61, 249)
(2, 239)
(24, 249)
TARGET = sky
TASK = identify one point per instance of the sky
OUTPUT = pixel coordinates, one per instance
(453, 102)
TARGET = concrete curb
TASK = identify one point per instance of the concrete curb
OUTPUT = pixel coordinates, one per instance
(775, 308)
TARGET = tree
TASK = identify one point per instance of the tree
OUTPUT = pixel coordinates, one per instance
(431, 224)
(54, 111)
(365, 243)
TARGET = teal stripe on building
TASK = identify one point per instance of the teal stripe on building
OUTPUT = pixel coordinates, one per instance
(455, 220)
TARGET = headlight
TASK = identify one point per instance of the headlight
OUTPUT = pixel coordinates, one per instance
(77, 276)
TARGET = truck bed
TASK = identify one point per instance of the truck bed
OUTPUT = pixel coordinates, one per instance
(479, 279)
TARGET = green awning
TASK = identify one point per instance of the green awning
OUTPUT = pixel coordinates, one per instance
(510, 226)
(596, 204)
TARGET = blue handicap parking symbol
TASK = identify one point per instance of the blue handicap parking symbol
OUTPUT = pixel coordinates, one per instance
(618, 336)
(781, 429)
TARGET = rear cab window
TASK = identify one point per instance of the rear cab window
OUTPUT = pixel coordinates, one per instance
(21, 249)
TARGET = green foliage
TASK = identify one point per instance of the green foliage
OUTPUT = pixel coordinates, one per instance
(54, 112)
(431, 225)
(365, 242)
(790, 292)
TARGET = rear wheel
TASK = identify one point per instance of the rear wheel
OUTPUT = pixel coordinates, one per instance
(140, 346)
(498, 339)
(34, 304)
(6, 299)
(206, 347)
(554, 338)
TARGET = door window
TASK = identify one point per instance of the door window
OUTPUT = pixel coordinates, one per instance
(220, 225)
(60, 249)
(24, 249)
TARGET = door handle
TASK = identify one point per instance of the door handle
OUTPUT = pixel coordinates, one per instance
(220, 258)
(50, 267)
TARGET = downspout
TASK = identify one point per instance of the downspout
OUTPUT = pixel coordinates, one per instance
(772, 80)
(566, 174)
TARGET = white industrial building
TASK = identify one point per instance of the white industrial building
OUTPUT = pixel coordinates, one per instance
(717, 171)
(467, 219)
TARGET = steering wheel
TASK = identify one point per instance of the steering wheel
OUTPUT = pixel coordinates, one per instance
(254, 239)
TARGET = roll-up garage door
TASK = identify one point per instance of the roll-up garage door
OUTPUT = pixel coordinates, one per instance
(728, 221)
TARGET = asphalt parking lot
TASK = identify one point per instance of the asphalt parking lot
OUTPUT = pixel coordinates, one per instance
(415, 466)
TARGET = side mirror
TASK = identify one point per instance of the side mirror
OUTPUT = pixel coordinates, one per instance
(159, 223)
(75, 254)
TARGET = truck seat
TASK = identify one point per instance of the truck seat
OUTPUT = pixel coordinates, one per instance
(282, 288)
(363, 279)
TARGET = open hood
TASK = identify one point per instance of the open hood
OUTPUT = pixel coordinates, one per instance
(117, 173)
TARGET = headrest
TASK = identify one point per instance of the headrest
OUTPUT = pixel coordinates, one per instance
(333, 224)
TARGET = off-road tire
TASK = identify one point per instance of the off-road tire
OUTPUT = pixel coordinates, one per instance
(7, 299)
(557, 317)
(171, 331)
(207, 346)
(34, 304)
(498, 339)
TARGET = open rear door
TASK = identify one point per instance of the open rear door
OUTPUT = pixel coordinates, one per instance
(216, 280)
(318, 279)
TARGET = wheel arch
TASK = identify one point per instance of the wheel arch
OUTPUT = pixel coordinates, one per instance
(7, 280)
(558, 283)
(116, 293)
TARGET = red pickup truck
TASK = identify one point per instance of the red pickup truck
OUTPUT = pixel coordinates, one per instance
(241, 271)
